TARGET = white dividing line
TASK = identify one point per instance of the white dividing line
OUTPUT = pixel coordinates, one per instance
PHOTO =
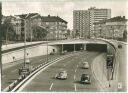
(3, 76)
(75, 70)
(75, 86)
(51, 86)
(37, 73)
(77, 66)
(74, 77)
(14, 70)
(40, 60)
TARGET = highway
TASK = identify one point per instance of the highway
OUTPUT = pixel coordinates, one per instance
(10, 70)
(45, 80)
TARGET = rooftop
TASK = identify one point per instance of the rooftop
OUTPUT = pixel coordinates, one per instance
(52, 19)
(30, 15)
(114, 19)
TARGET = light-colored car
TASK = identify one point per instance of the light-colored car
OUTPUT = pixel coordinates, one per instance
(85, 65)
(61, 75)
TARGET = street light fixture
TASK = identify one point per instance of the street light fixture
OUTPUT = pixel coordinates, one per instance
(47, 43)
(24, 70)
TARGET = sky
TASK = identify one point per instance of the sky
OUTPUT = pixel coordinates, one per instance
(62, 8)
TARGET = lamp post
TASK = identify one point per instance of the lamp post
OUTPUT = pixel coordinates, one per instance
(6, 36)
(112, 29)
(24, 19)
(47, 44)
(25, 43)
(100, 30)
(47, 49)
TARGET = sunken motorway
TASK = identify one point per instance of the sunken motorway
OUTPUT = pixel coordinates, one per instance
(45, 80)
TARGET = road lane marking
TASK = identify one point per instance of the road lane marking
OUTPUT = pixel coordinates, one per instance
(14, 70)
(51, 86)
(38, 72)
(77, 66)
(3, 76)
(74, 77)
(75, 86)
(75, 70)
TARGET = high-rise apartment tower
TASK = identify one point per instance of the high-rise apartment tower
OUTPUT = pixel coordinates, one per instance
(83, 20)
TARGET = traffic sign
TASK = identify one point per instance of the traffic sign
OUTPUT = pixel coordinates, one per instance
(120, 85)
(23, 71)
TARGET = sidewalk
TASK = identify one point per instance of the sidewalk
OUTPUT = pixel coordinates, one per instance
(10, 46)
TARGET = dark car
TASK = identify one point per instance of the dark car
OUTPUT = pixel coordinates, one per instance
(119, 46)
(85, 79)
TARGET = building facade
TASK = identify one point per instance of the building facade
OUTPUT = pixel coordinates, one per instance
(83, 20)
(55, 26)
(28, 21)
(16, 22)
(81, 23)
(113, 28)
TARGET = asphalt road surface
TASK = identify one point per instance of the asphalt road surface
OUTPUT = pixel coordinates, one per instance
(10, 70)
(45, 81)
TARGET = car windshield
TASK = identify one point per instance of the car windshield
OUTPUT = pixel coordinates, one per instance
(85, 63)
(86, 78)
(61, 73)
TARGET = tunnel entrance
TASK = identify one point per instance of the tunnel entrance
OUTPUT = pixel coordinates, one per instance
(71, 47)
(96, 47)
(68, 47)
(79, 47)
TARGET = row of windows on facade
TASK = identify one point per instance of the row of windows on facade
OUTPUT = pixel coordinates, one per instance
(61, 23)
(94, 13)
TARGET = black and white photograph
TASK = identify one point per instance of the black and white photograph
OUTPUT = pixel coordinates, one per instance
(63, 45)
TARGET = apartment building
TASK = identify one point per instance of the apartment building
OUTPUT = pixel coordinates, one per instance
(83, 20)
(81, 23)
(113, 28)
(28, 21)
(55, 26)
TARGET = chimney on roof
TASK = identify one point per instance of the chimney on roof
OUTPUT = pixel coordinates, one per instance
(48, 15)
(123, 17)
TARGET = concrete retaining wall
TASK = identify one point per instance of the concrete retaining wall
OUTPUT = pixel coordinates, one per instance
(32, 52)
(100, 72)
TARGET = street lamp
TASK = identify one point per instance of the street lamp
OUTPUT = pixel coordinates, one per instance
(100, 30)
(24, 70)
(112, 29)
(24, 43)
(47, 44)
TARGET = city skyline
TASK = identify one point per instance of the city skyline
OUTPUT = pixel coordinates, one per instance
(62, 8)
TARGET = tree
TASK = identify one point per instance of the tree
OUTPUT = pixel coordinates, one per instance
(8, 32)
(1, 39)
(39, 33)
(125, 35)
(77, 34)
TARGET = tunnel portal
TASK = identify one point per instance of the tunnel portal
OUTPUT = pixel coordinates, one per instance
(71, 47)
(78, 47)
(96, 47)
